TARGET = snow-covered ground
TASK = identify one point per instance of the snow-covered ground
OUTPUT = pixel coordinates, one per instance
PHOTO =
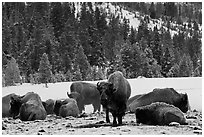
(191, 86)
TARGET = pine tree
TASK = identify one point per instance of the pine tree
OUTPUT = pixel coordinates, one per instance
(185, 66)
(12, 72)
(82, 62)
(132, 36)
(56, 18)
(174, 71)
(159, 9)
(77, 75)
(125, 29)
(166, 62)
(45, 69)
(156, 46)
(152, 11)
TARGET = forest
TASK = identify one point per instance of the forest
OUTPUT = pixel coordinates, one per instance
(81, 41)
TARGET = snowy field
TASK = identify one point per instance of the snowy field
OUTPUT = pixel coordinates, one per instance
(191, 86)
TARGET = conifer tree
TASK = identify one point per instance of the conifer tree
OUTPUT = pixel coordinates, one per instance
(185, 66)
(82, 62)
(76, 75)
(12, 72)
(152, 11)
(45, 69)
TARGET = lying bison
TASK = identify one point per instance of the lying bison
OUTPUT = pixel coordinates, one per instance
(130, 100)
(66, 107)
(114, 95)
(49, 106)
(69, 109)
(28, 107)
(167, 95)
(159, 113)
(6, 104)
(85, 94)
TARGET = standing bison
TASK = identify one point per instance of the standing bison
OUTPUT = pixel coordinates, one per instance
(167, 95)
(114, 95)
(159, 113)
(28, 107)
(85, 94)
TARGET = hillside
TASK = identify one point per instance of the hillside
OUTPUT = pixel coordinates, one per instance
(90, 40)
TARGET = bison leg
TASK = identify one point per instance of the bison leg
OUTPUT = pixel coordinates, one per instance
(81, 108)
(114, 120)
(107, 116)
(120, 120)
(96, 106)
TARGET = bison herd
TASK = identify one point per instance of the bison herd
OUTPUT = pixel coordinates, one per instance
(159, 107)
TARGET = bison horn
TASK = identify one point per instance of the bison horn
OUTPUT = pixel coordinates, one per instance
(67, 94)
(98, 84)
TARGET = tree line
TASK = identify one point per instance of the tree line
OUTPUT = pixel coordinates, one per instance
(91, 44)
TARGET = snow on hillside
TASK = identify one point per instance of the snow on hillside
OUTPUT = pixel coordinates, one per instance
(133, 17)
(191, 86)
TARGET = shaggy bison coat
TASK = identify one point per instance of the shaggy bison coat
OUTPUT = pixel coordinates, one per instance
(114, 95)
(167, 95)
(130, 100)
(6, 105)
(28, 107)
(85, 94)
(66, 107)
(159, 113)
(49, 106)
(69, 109)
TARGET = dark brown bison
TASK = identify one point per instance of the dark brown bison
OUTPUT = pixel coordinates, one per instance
(66, 107)
(167, 95)
(6, 105)
(49, 106)
(58, 104)
(130, 100)
(28, 107)
(114, 95)
(69, 109)
(85, 94)
(159, 113)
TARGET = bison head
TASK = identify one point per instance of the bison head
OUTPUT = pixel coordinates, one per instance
(58, 104)
(106, 90)
(183, 103)
(15, 104)
(74, 95)
(143, 115)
